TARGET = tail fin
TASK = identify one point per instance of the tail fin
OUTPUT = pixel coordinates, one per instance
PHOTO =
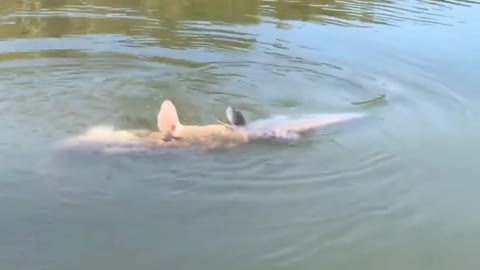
(167, 118)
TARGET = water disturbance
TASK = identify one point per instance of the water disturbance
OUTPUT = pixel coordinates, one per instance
(395, 191)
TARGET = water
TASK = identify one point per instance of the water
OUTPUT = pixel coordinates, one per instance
(396, 192)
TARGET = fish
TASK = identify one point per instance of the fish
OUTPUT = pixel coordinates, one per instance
(172, 133)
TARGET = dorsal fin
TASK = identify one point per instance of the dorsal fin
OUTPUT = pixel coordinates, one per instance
(235, 117)
(167, 118)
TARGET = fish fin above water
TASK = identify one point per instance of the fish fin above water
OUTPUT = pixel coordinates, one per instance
(167, 118)
(235, 117)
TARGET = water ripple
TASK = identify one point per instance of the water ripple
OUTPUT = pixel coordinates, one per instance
(328, 197)
(348, 13)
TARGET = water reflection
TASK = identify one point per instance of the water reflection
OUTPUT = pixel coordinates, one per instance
(191, 19)
(160, 29)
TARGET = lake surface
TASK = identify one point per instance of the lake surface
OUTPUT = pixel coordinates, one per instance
(399, 191)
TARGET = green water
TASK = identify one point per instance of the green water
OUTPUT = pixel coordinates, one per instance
(399, 191)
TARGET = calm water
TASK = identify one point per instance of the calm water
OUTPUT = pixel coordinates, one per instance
(399, 191)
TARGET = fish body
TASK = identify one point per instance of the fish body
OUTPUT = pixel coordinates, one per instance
(173, 134)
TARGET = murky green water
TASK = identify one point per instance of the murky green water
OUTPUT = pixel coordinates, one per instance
(397, 192)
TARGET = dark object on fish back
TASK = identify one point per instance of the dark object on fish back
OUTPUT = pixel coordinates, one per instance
(235, 117)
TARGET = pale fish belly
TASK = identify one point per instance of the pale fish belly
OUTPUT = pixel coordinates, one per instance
(290, 128)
